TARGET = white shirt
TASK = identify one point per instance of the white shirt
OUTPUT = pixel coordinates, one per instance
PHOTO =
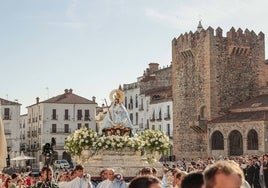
(104, 184)
(112, 184)
(78, 183)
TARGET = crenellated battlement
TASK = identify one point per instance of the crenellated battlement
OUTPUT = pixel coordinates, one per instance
(234, 36)
(244, 34)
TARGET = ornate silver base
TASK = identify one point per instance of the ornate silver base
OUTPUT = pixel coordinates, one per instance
(128, 163)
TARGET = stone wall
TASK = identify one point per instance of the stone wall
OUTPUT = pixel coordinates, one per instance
(243, 128)
(156, 80)
(212, 72)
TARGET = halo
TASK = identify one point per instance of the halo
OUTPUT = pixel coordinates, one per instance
(117, 93)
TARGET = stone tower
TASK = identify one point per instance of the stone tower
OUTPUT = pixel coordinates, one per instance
(211, 72)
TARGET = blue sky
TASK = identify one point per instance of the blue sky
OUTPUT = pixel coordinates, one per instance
(92, 46)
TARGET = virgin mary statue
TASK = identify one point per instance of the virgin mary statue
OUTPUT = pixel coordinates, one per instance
(3, 146)
(117, 115)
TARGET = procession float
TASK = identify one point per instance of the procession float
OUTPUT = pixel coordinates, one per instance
(116, 145)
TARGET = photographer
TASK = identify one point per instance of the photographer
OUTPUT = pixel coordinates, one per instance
(80, 180)
(46, 179)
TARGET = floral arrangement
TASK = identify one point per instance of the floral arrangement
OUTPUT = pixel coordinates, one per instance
(154, 140)
(148, 141)
(115, 142)
(81, 139)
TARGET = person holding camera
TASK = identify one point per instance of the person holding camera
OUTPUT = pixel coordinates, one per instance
(113, 180)
(81, 180)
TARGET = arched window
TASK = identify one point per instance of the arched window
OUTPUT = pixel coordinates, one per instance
(252, 140)
(202, 112)
(217, 142)
(235, 143)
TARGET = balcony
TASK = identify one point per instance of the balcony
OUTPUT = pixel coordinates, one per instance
(141, 108)
(60, 131)
(87, 118)
(22, 137)
(7, 132)
(34, 133)
(23, 147)
(80, 117)
(54, 117)
(67, 117)
(167, 116)
(152, 119)
(7, 117)
(159, 119)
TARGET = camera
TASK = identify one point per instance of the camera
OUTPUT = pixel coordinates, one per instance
(86, 177)
(47, 150)
(118, 176)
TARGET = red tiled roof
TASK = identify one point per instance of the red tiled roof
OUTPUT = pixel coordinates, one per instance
(242, 116)
(158, 89)
(148, 78)
(259, 101)
(6, 102)
(68, 98)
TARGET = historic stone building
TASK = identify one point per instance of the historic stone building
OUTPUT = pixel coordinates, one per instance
(210, 73)
(149, 100)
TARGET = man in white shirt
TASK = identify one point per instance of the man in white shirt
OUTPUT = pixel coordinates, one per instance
(112, 181)
(80, 181)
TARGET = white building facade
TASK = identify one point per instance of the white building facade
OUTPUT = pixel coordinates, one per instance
(132, 103)
(150, 107)
(55, 119)
(24, 127)
(10, 113)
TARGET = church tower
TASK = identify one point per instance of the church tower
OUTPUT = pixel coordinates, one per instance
(211, 72)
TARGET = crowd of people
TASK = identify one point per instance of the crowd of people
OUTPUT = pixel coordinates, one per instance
(251, 171)
(239, 172)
